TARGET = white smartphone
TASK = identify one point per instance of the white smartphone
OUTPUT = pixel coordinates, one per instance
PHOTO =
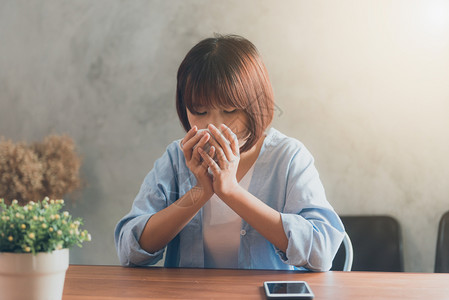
(288, 290)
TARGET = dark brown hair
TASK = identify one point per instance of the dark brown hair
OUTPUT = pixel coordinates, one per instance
(226, 71)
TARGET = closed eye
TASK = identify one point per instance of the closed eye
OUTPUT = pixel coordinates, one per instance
(230, 111)
(199, 113)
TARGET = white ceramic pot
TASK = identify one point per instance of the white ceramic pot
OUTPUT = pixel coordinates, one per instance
(24, 276)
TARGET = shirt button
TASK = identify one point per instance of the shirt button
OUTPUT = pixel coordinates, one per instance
(242, 232)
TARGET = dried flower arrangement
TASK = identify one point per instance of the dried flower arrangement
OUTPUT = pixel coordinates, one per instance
(32, 172)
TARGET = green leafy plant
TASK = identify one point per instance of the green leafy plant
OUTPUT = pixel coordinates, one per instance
(38, 227)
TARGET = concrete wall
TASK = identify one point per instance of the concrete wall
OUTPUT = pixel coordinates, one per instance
(364, 84)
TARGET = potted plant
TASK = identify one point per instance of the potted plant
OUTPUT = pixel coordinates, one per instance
(34, 248)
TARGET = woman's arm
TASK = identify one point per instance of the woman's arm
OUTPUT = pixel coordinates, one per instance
(158, 214)
(260, 216)
(163, 226)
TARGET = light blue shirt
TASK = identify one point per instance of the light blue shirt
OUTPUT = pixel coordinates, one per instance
(284, 177)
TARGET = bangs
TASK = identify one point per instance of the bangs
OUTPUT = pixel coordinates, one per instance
(212, 86)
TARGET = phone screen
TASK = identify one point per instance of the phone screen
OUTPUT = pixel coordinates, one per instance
(288, 289)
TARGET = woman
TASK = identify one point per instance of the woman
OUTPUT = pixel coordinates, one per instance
(253, 200)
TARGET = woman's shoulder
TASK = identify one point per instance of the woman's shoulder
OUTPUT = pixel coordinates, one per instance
(172, 156)
(277, 141)
(281, 150)
(175, 147)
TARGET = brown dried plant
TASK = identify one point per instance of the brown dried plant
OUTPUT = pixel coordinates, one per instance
(33, 172)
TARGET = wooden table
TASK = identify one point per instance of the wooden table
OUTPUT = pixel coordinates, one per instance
(114, 282)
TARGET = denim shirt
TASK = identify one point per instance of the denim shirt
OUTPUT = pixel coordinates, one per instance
(284, 178)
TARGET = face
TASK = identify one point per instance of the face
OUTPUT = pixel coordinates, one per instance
(234, 118)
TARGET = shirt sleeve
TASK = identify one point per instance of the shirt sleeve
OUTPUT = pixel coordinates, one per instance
(313, 228)
(157, 190)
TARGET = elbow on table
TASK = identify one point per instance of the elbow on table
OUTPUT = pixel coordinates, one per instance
(124, 250)
(123, 255)
(322, 264)
(134, 256)
(130, 260)
(321, 259)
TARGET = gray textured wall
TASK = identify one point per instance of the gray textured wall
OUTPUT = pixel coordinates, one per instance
(363, 84)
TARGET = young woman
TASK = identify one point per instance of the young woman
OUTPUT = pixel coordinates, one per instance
(239, 194)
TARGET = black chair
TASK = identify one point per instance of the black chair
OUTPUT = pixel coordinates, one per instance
(377, 244)
(442, 255)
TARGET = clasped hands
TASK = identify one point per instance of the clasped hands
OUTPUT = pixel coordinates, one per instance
(222, 158)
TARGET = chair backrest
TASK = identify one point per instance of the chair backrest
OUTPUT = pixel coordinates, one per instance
(349, 254)
(376, 242)
(442, 253)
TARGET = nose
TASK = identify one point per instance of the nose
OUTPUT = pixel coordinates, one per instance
(216, 120)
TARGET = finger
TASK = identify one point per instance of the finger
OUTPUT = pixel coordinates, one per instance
(212, 151)
(205, 137)
(213, 143)
(203, 141)
(204, 165)
(185, 146)
(190, 141)
(188, 136)
(221, 157)
(232, 137)
(209, 161)
(221, 140)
